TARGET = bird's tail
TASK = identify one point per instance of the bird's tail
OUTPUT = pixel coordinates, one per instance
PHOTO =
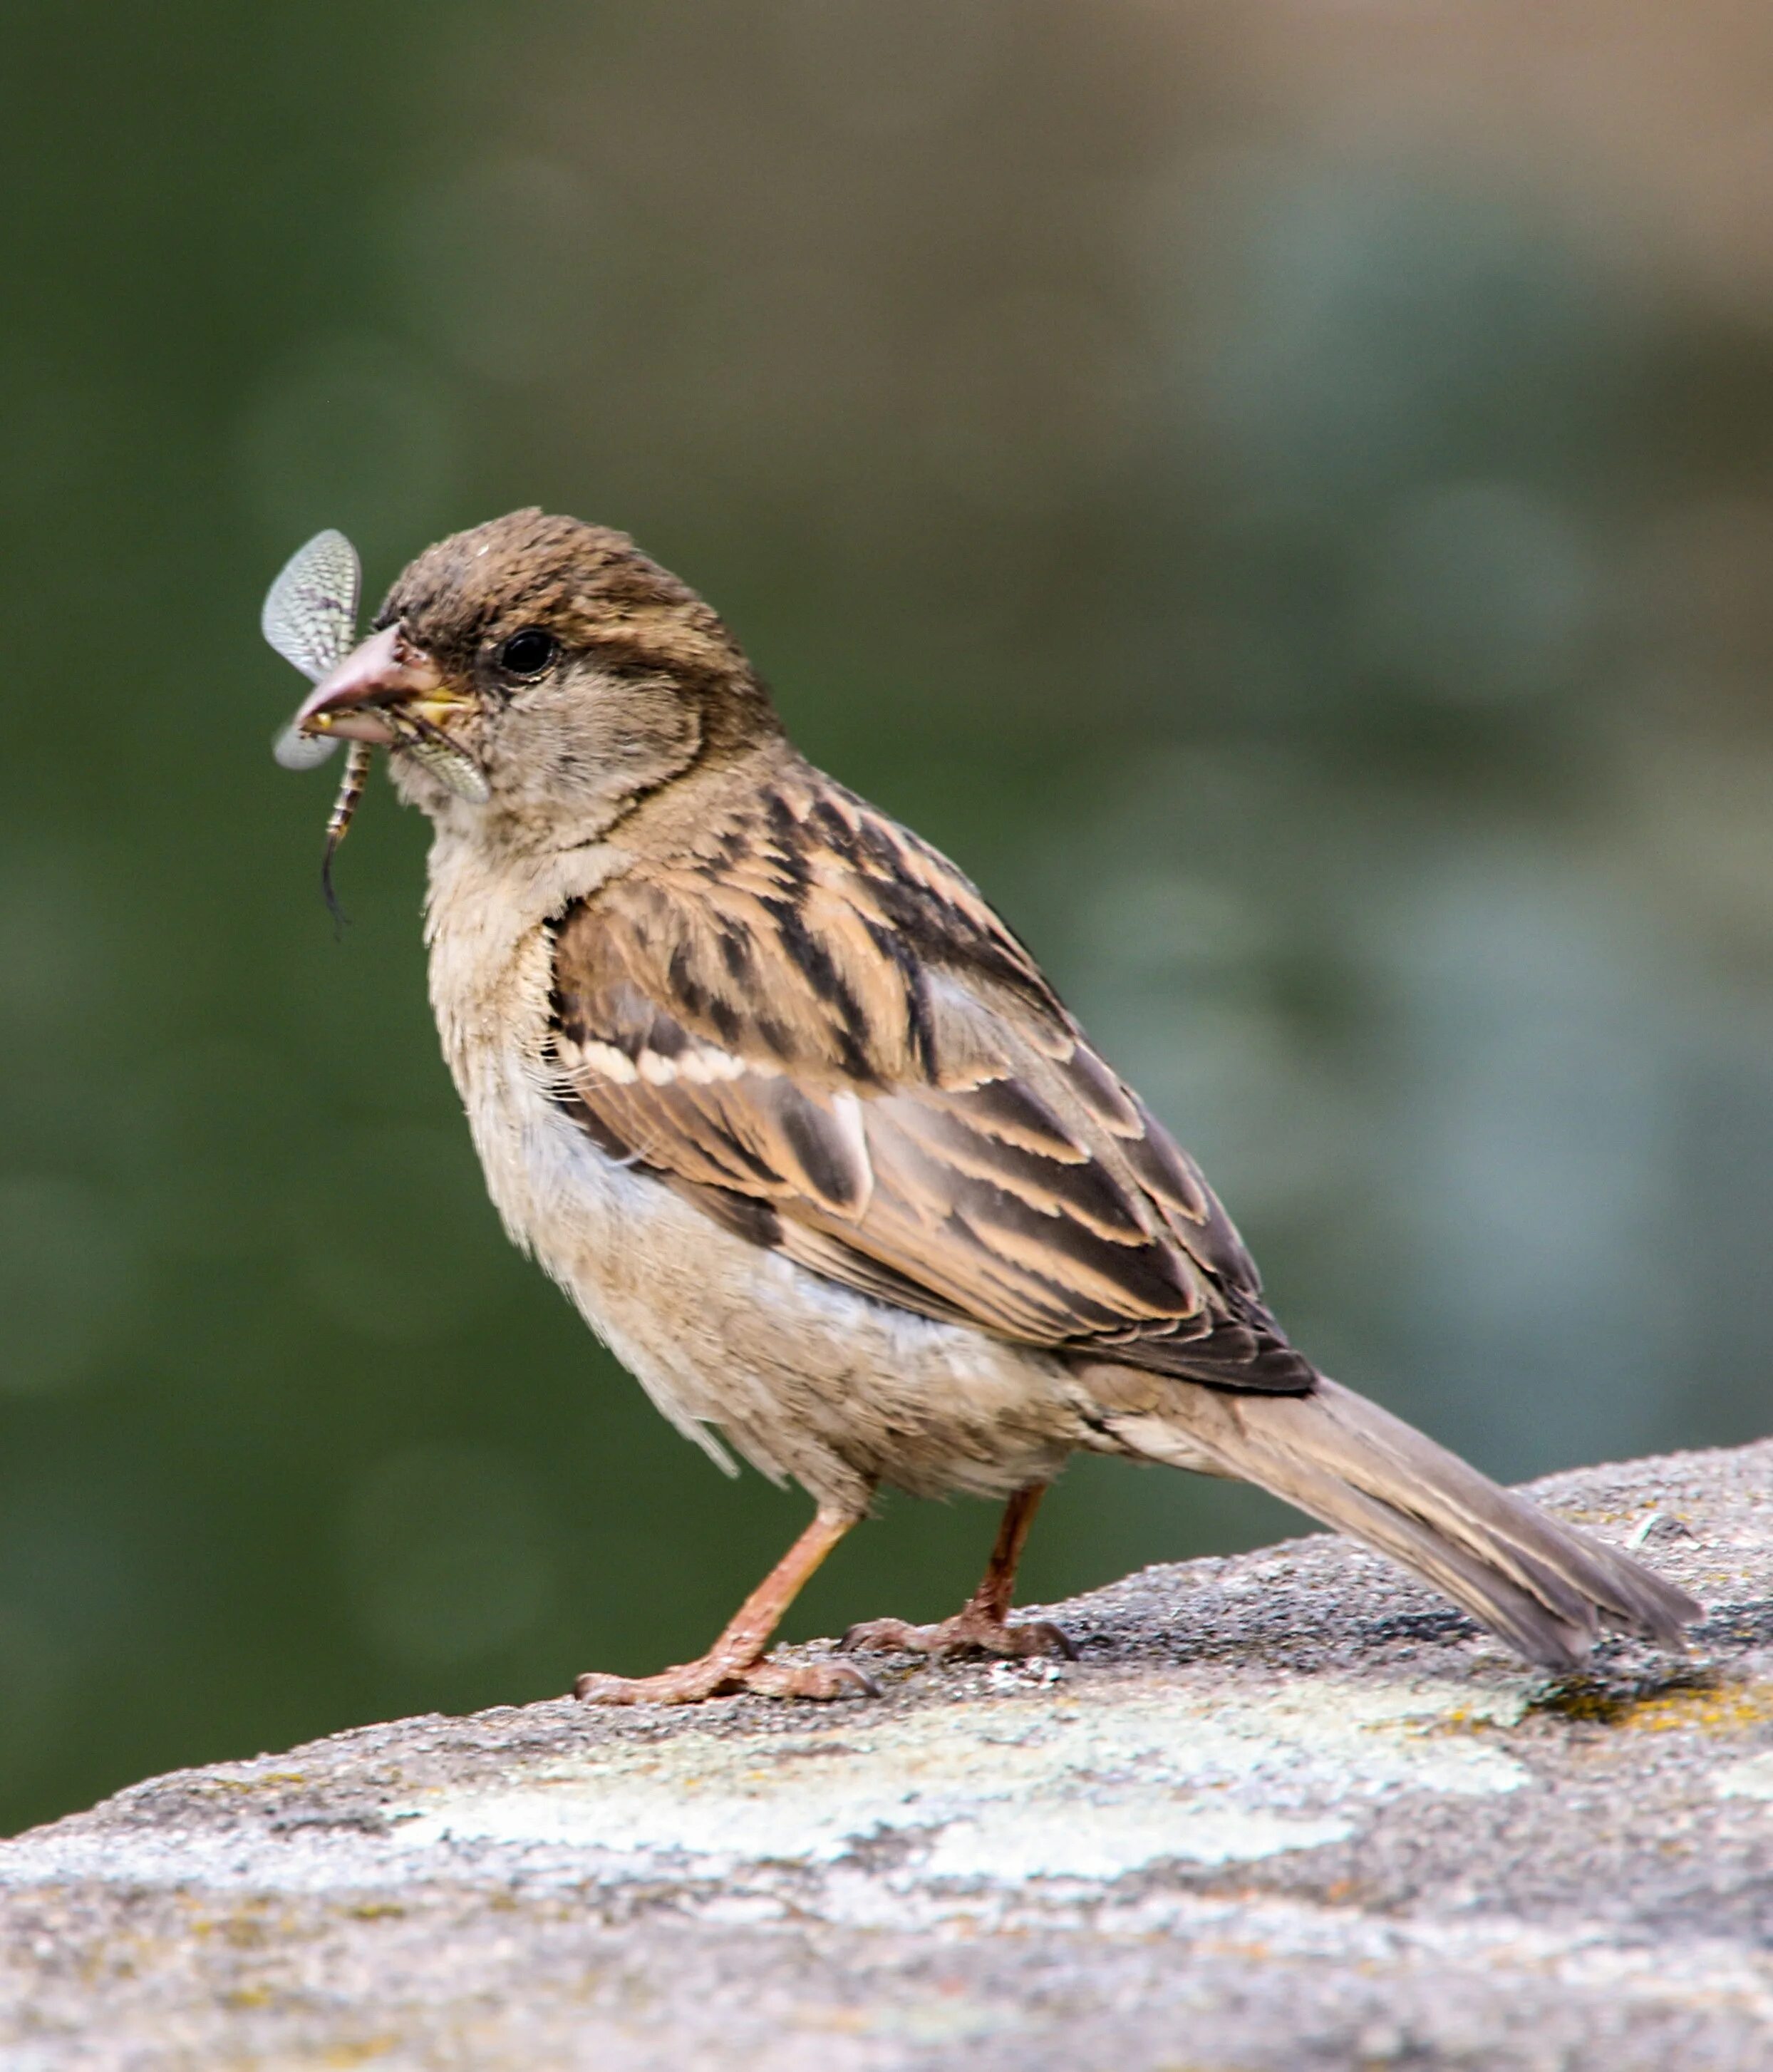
(1545, 1587)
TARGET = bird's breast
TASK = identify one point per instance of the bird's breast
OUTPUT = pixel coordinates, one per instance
(808, 1378)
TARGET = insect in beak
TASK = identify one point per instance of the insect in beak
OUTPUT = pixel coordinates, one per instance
(351, 792)
(390, 693)
(370, 694)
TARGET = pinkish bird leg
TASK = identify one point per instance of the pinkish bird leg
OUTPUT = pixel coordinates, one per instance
(983, 1622)
(736, 1662)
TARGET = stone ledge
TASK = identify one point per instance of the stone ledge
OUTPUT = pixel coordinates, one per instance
(1288, 1810)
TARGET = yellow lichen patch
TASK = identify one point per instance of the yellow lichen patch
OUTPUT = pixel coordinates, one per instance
(1728, 1708)
(1494, 1713)
(224, 1787)
(1695, 1707)
(244, 1926)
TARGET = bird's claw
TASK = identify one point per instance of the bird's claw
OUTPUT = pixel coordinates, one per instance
(821, 1680)
(967, 1631)
(690, 1682)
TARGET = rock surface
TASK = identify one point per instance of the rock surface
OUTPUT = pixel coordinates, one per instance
(1288, 1810)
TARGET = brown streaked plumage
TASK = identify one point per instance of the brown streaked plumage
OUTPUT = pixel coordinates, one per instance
(813, 1027)
(802, 1127)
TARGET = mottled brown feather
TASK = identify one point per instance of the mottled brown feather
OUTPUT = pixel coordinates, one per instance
(812, 1025)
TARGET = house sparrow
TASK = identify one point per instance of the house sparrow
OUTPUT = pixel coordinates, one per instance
(797, 1122)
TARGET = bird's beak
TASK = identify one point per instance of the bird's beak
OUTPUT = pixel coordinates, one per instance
(385, 670)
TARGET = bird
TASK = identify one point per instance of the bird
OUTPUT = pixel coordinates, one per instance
(806, 1135)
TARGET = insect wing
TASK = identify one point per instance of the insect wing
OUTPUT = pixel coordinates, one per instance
(310, 618)
(296, 751)
(311, 611)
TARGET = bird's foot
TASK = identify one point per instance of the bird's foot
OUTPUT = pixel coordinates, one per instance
(717, 1676)
(967, 1631)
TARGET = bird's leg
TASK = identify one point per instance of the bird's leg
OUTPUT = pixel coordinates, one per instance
(983, 1622)
(735, 1661)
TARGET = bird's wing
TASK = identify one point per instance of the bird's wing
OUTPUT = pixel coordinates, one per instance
(815, 1029)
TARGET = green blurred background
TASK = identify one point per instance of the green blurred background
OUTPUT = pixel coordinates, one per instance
(1281, 492)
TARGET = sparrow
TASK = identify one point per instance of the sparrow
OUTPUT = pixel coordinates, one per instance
(804, 1132)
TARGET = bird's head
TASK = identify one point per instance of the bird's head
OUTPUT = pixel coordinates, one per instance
(574, 675)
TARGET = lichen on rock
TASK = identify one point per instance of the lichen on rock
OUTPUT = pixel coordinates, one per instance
(1287, 1810)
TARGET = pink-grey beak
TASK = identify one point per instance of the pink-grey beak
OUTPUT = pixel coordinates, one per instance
(385, 669)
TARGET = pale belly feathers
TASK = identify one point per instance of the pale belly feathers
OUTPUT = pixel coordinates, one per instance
(805, 1378)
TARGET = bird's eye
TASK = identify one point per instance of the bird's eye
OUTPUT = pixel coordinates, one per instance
(528, 653)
